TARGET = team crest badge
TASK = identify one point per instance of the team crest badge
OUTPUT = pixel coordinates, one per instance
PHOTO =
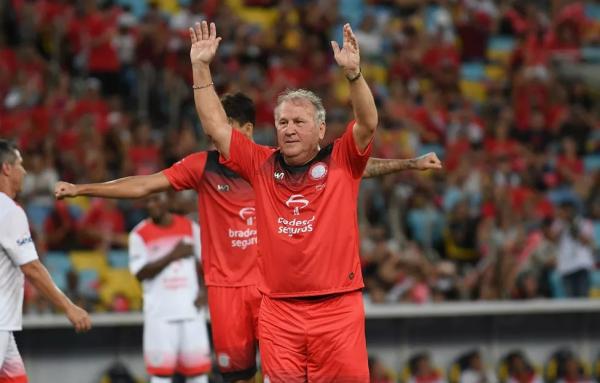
(318, 171)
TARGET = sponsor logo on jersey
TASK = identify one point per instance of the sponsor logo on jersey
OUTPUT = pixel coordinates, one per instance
(24, 241)
(223, 188)
(223, 359)
(297, 202)
(247, 214)
(278, 176)
(318, 171)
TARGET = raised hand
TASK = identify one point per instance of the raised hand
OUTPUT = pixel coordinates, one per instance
(428, 161)
(348, 57)
(204, 43)
(64, 190)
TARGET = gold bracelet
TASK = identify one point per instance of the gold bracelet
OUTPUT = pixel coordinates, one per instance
(197, 87)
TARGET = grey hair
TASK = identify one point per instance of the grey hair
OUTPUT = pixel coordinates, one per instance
(8, 152)
(302, 94)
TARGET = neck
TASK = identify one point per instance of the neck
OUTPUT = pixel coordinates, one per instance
(163, 220)
(302, 158)
(6, 189)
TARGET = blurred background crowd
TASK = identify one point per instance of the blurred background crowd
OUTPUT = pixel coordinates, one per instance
(505, 92)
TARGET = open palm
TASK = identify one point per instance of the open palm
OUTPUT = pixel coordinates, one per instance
(204, 43)
(348, 57)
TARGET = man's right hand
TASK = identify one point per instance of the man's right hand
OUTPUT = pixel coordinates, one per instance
(182, 250)
(204, 43)
(64, 190)
(79, 318)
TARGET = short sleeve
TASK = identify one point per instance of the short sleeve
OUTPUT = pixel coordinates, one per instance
(245, 156)
(196, 241)
(15, 237)
(187, 173)
(138, 255)
(346, 153)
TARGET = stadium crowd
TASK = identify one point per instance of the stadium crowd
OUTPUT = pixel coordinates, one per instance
(96, 90)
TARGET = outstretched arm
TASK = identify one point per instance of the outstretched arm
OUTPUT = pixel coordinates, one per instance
(127, 187)
(208, 105)
(363, 104)
(379, 167)
(39, 277)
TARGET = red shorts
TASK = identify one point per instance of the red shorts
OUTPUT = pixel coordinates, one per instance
(234, 318)
(314, 340)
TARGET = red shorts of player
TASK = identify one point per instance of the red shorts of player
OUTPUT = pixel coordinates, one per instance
(234, 317)
(12, 369)
(317, 339)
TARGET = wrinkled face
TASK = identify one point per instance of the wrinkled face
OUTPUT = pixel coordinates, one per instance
(15, 172)
(298, 134)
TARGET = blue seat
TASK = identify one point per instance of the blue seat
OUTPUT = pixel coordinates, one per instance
(58, 264)
(595, 279)
(501, 43)
(591, 163)
(437, 149)
(590, 54)
(472, 71)
(592, 11)
(89, 281)
(597, 232)
(118, 259)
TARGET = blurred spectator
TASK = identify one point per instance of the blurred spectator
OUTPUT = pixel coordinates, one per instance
(575, 236)
(498, 89)
(422, 371)
(520, 369)
(378, 373)
(473, 370)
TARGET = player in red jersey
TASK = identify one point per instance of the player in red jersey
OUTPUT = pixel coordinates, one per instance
(311, 321)
(229, 242)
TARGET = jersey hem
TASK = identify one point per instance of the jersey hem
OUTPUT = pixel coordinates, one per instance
(312, 293)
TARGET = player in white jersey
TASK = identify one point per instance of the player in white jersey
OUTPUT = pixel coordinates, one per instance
(18, 258)
(164, 254)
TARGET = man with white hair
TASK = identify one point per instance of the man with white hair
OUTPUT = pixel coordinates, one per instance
(311, 321)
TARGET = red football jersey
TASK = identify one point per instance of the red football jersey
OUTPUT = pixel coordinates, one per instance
(226, 207)
(307, 223)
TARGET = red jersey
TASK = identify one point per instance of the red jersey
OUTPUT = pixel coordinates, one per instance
(226, 207)
(307, 224)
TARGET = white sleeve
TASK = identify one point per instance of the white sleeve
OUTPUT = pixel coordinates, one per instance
(15, 237)
(197, 243)
(138, 255)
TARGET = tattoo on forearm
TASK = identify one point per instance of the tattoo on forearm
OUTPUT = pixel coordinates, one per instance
(379, 167)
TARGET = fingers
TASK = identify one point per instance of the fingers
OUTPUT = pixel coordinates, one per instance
(205, 32)
(349, 36)
(193, 37)
(198, 30)
(213, 31)
(335, 47)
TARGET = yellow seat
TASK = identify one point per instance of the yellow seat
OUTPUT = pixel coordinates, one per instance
(473, 90)
(121, 281)
(495, 73)
(95, 260)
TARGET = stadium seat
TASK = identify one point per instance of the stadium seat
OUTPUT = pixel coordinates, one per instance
(500, 48)
(591, 163)
(590, 54)
(473, 90)
(118, 259)
(120, 281)
(89, 283)
(95, 260)
(495, 73)
(58, 264)
(472, 71)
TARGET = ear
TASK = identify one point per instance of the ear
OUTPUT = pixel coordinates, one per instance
(322, 131)
(248, 128)
(5, 169)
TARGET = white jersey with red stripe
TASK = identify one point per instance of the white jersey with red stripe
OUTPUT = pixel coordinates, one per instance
(170, 295)
(16, 249)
